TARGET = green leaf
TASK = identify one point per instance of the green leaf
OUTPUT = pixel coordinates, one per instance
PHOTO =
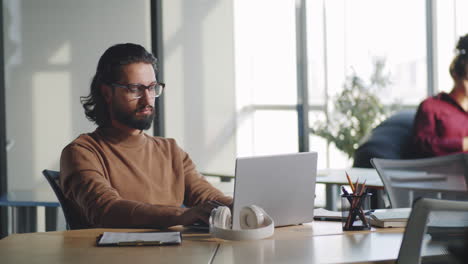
(357, 110)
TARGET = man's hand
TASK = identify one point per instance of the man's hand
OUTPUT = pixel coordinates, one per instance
(200, 212)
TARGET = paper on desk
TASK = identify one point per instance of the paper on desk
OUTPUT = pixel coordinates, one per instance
(400, 214)
(163, 237)
(324, 214)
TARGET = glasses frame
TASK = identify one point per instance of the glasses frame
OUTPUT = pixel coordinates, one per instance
(130, 87)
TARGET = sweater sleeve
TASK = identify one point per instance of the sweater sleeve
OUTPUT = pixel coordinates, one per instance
(197, 188)
(83, 182)
(426, 134)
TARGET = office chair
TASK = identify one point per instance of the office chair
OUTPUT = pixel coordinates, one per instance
(391, 139)
(71, 217)
(427, 214)
(439, 177)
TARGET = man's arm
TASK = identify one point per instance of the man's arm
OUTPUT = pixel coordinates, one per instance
(197, 189)
(83, 181)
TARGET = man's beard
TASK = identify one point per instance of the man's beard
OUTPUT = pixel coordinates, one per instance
(129, 118)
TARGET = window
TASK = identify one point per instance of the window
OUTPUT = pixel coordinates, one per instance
(342, 37)
(266, 87)
(347, 36)
(243, 94)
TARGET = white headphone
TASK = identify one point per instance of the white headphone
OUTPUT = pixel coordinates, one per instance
(254, 221)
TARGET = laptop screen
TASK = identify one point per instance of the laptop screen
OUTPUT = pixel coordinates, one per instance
(283, 185)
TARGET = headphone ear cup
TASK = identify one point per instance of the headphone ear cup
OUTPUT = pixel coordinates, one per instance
(252, 217)
(258, 223)
(221, 217)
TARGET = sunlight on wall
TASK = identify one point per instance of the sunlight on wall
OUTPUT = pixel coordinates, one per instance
(52, 118)
(62, 55)
(198, 70)
(174, 106)
(51, 51)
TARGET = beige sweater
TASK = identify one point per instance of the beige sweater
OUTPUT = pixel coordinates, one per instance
(116, 180)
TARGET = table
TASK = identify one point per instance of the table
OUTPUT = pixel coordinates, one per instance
(78, 246)
(450, 184)
(24, 205)
(334, 178)
(315, 242)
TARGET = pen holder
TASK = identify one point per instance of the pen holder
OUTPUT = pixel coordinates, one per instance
(354, 210)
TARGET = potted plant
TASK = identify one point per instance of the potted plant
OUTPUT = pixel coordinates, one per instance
(357, 110)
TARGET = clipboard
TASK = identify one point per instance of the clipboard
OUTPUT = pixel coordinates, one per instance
(124, 239)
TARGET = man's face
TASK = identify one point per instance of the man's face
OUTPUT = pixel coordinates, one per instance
(136, 113)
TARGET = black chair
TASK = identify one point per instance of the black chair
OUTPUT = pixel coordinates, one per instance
(389, 140)
(68, 211)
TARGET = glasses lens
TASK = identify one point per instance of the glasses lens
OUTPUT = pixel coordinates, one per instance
(158, 89)
(134, 91)
(137, 91)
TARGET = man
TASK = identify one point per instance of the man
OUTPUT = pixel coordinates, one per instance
(118, 176)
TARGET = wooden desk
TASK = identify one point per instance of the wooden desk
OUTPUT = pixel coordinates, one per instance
(320, 243)
(338, 176)
(316, 242)
(451, 184)
(361, 248)
(78, 246)
(334, 178)
(294, 243)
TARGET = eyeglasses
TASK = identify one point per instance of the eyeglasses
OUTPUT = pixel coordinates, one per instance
(136, 91)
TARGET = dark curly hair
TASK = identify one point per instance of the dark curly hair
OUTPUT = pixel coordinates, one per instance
(109, 70)
(460, 62)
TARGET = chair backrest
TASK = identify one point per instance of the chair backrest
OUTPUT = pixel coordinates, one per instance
(70, 216)
(438, 177)
(426, 212)
(389, 140)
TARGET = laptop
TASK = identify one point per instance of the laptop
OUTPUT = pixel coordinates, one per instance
(283, 185)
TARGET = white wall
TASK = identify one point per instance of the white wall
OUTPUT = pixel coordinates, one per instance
(199, 75)
(51, 53)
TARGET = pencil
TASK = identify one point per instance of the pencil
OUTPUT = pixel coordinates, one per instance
(356, 187)
(350, 182)
(363, 187)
